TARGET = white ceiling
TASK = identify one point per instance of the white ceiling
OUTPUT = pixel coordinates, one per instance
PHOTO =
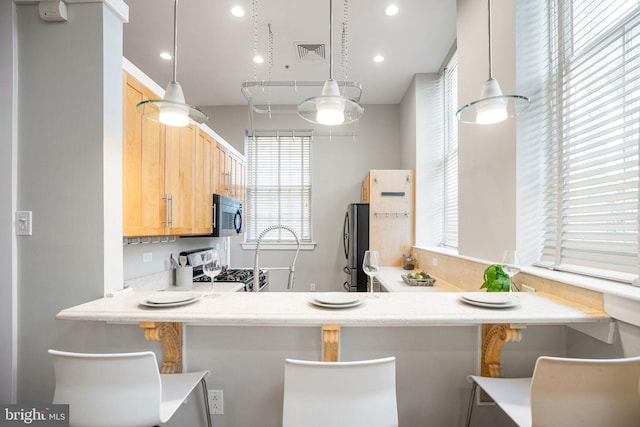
(215, 49)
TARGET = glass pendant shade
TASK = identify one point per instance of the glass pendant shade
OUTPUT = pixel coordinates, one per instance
(172, 110)
(493, 106)
(330, 108)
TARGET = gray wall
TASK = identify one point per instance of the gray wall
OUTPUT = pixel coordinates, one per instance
(70, 114)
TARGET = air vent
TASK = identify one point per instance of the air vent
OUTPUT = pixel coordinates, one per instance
(310, 51)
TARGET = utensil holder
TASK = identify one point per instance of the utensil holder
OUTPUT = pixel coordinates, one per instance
(184, 276)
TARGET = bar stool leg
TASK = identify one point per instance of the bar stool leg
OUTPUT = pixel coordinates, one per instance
(474, 389)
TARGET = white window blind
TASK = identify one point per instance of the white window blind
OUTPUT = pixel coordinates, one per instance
(279, 184)
(450, 155)
(591, 210)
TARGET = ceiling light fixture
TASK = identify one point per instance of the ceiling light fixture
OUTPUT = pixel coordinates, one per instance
(237, 11)
(165, 55)
(172, 110)
(391, 10)
(493, 106)
(258, 59)
(378, 58)
(330, 108)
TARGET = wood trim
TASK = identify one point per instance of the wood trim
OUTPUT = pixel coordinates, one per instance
(170, 336)
(330, 342)
(494, 336)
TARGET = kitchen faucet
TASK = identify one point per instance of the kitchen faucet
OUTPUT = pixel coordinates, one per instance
(256, 270)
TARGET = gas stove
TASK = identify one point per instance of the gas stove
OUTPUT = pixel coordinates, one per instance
(229, 275)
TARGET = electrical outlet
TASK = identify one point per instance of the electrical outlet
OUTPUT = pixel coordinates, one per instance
(215, 402)
(312, 287)
(147, 257)
(434, 262)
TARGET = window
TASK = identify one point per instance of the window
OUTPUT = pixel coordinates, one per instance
(437, 157)
(450, 155)
(279, 185)
(590, 223)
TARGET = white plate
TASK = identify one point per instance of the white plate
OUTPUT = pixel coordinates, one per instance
(489, 297)
(170, 297)
(169, 304)
(507, 304)
(337, 298)
(321, 304)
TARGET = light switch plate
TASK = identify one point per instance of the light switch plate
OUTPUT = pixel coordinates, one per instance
(24, 223)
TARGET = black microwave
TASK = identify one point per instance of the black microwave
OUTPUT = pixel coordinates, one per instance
(227, 217)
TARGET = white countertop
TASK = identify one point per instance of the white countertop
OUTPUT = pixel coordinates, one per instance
(295, 309)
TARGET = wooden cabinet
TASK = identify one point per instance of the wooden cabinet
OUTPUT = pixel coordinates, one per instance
(391, 197)
(231, 174)
(203, 183)
(179, 179)
(144, 202)
(221, 173)
(170, 174)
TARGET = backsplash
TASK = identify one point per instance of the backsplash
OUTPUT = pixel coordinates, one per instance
(145, 259)
(468, 275)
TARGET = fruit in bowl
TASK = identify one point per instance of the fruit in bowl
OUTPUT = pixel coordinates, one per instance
(420, 275)
(420, 278)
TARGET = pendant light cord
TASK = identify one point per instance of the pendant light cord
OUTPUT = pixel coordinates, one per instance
(330, 39)
(175, 41)
(490, 50)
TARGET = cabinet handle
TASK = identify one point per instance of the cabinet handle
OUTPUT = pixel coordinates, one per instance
(166, 209)
(171, 205)
(213, 223)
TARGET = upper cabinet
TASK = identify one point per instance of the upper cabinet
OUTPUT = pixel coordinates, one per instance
(145, 202)
(170, 174)
(231, 174)
(391, 198)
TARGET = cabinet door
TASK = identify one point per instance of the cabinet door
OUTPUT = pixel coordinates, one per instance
(202, 185)
(179, 174)
(223, 181)
(143, 203)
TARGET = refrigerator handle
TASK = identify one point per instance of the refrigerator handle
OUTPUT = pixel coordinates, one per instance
(345, 235)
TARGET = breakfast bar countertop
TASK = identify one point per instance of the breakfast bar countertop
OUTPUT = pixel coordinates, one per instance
(297, 309)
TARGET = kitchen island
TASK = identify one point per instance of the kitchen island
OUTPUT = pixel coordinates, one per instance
(384, 309)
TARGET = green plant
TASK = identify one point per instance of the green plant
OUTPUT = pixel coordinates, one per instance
(495, 279)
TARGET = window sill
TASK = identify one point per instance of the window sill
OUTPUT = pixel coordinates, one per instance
(251, 246)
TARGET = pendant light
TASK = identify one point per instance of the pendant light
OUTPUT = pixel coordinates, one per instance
(493, 106)
(172, 110)
(330, 108)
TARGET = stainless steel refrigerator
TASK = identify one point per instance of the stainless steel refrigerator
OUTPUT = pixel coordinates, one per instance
(356, 241)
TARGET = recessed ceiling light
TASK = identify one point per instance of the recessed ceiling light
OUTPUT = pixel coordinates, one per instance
(378, 58)
(391, 10)
(237, 11)
(258, 59)
(165, 55)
